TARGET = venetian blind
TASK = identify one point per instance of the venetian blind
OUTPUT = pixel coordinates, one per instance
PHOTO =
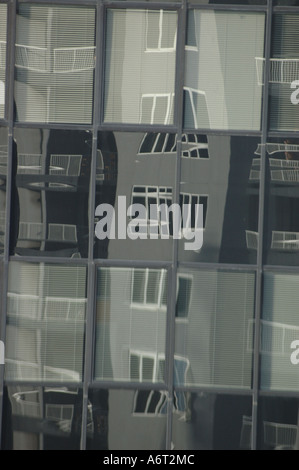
(216, 337)
(3, 19)
(221, 83)
(131, 324)
(54, 63)
(284, 69)
(46, 307)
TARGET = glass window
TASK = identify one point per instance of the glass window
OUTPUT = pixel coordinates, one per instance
(130, 324)
(214, 334)
(3, 20)
(284, 73)
(220, 173)
(135, 180)
(51, 190)
(42, 418)
(3, 177)
(46, 307)
(209, 421)
(280, 332)
(281, 215)
(221, 84)
(140, 66)
(127, 419)
(54, 63)
(278, 423)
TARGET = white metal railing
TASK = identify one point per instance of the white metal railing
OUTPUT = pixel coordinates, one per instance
(23, 305)
(281, 70)
(74, 59)
(59, 60)
(29, 163)
(62, 232)
(65, 308)
(2, 54)
(283, 240)
(251, 239)
(280, 434)
(61, 164)
(285, 175)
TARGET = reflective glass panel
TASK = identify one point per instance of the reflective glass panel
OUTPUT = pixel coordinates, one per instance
(280, 332)
(221, 88)
(284, 73)
(140, 66)
(50, 184)
(135, 172)
(127, 419)
(3, 18)
(54, 63)
(45, 328)
(209, 421)
(281, 241)
(230, 2)
(214, 328)
(220, 174)
(3, 178)
(41, 418)
(130, 330)
(278, 423)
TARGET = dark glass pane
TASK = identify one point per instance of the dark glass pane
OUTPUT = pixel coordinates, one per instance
(140, 66)
(41, 418)
(280, 332)
(3, 180)
(130, 324)
(208, 421)
(278, 423)
(50, 192)
(226, 186)
(127, 419)
(45, 326)
(133, 169)
(281, 241)
(221, 87)
(214, 328)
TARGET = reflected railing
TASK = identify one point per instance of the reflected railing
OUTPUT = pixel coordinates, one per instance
(281, 70)
(2, 54)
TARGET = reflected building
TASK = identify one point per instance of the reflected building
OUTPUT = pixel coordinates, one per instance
(120, 331)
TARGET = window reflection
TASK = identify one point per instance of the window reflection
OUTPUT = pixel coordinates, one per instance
(213, 331)
(51, 180)
(131, 324)
(279, 423)
(218, 93)
(3, 176)
(54, 63)
(127, 419)
(282, 237)
(213, 422)
(46, 307)
(3, 22)
(143, 94)
(42, 418)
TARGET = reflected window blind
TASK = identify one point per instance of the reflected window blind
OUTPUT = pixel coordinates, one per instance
(46, 307)
(54, 63)
(279, 328)
(221, 88)
(215, 340)
(3, 22)
(140, 66)
(130, 324)
(284, 69)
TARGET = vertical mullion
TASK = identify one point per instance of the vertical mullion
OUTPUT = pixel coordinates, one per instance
(259, 273)
(91, 283)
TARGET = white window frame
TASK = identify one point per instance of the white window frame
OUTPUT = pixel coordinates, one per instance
(159, 47)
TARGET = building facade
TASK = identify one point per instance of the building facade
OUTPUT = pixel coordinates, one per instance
(120, 329)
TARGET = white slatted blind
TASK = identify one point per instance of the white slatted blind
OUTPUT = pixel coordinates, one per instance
(46, 307)
(130, 324)
(284, 69)
(54, 65)
(221, 83)
(216, 336)
(3, 19)
(140, 66)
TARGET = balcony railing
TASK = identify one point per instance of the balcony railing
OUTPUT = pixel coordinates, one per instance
(281, 70)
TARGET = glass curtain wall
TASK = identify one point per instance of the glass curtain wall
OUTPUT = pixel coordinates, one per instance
(148, 225)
